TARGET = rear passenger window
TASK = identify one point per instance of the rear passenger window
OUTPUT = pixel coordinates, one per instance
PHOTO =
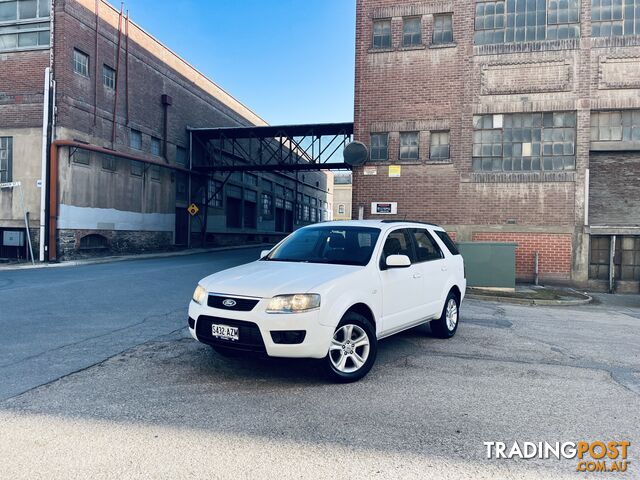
(450, 244)
(426, 247)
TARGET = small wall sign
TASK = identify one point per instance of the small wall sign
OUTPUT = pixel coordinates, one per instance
(384, 208)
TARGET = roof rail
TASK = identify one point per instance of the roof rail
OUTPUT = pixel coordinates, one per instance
(410, 221)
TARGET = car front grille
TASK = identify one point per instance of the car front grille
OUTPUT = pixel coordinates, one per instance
(249, 333)
(233, 303)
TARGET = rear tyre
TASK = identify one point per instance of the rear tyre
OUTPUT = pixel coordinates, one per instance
(353, 349)
(447, 325)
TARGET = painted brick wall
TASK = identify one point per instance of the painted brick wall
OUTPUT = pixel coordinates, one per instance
(554, 253)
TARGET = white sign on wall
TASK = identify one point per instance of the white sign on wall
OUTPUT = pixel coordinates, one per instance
(12, 238)
(384, 208)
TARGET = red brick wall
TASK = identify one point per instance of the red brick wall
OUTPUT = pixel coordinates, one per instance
(554, 253)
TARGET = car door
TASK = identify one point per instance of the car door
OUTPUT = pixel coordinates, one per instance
(431, 263)
(402, 299)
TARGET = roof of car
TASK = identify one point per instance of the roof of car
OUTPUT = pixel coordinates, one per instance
(382, 224)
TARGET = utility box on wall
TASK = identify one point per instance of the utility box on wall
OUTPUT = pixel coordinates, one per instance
(490, 264)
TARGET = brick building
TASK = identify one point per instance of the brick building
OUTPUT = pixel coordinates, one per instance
(120, 109)
(507, 120)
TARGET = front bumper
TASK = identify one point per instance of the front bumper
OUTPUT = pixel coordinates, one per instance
(255, 329)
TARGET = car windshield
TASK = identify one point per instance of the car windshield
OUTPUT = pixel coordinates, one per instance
(336, 245)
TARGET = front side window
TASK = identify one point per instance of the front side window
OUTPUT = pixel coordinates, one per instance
(442, 30)
(615, 17)
(318, 244)
(24, 24)
(439, 149)
(524, 142)
(426, 247)
(80, 63)
(6, 159)
(397, 243)
(382, 34)
(409, 149)
(526, 20)
(108, 77)
(379, 146)
(412, 32)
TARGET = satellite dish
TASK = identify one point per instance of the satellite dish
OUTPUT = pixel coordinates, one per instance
(355, 154)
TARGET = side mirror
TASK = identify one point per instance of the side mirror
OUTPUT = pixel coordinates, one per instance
(264, 253)
(398, 261)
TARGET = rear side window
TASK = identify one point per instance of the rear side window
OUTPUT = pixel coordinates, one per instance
(426, 247)
(448, 242)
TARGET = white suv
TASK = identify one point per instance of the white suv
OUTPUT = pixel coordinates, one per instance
(330, 291)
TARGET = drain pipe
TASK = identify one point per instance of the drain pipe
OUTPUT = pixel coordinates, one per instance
(54, 174)
(45, 152)
(536, 257)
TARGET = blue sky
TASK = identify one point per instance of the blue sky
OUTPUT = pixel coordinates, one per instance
(290, 61)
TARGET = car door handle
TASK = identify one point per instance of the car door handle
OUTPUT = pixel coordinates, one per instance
(444, 269)
(417, 275)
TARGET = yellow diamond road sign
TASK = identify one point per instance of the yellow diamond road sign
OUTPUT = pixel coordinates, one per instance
(193, 209)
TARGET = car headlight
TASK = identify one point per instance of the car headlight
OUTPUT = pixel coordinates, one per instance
(200, 295)
(300, 302)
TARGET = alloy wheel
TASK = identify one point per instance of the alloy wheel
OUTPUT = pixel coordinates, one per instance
(452, 314)
(349, 348)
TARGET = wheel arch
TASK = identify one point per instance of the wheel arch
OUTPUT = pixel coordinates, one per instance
(364, 310)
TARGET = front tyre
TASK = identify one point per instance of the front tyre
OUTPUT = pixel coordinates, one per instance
(447, 325)
(353, 349)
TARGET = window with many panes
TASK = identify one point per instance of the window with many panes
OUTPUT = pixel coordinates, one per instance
(382, 33)
(156, 146)
(6, 159)
(80, 62)
(181, 156)
(379, 146)
(24, 24)
(135, 139)
(615, 17)
(109, 163)
(137, 168)
(618, 126)
(524, 142)
(442, 30)
(266, 204)
(155, 172)
(81, 156)
(108, 77)
(409, 149)
(526, 20)
(214, 194)
(250, 179)
(439, 148)
(411, 32)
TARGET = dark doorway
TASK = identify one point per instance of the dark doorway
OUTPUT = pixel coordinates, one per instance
(234, 212)
(279, 219)
(182, 226)
(250, 214)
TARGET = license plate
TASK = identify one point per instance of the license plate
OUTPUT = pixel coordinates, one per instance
(225, 331)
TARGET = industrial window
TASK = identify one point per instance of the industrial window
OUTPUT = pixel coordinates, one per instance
(22, 26)
(439, 146)
(214, 194)
(305, 213)
(379, 146)
(155, 172)
(626, 257)
(250, 179)
(6, 159)
(412, 32)
(382, 34)
(442, 30)
(314, 202)
(93, 241)
(108, 77)
(615, 17)
(526, 20)
(279, 189)
(619, 126)
(135, 139)
(279, 202)
(289, 193)
(409, 146)
(80, 156)
(267, 205)
(524, 142)
(136, 168)
(80, 62)
(109, 163)
(341, 209)
(181, 156)
(155, 146)
(267, 185)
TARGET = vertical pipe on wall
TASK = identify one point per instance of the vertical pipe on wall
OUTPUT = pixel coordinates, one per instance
(95, 68)
(126, 68)
(586, 197)
(115, 100)
(44, 166)
(612, 265)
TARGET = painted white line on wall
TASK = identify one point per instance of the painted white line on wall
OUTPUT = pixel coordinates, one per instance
(88, 218)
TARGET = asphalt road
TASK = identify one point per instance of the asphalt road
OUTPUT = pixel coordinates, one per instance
(168, 407)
